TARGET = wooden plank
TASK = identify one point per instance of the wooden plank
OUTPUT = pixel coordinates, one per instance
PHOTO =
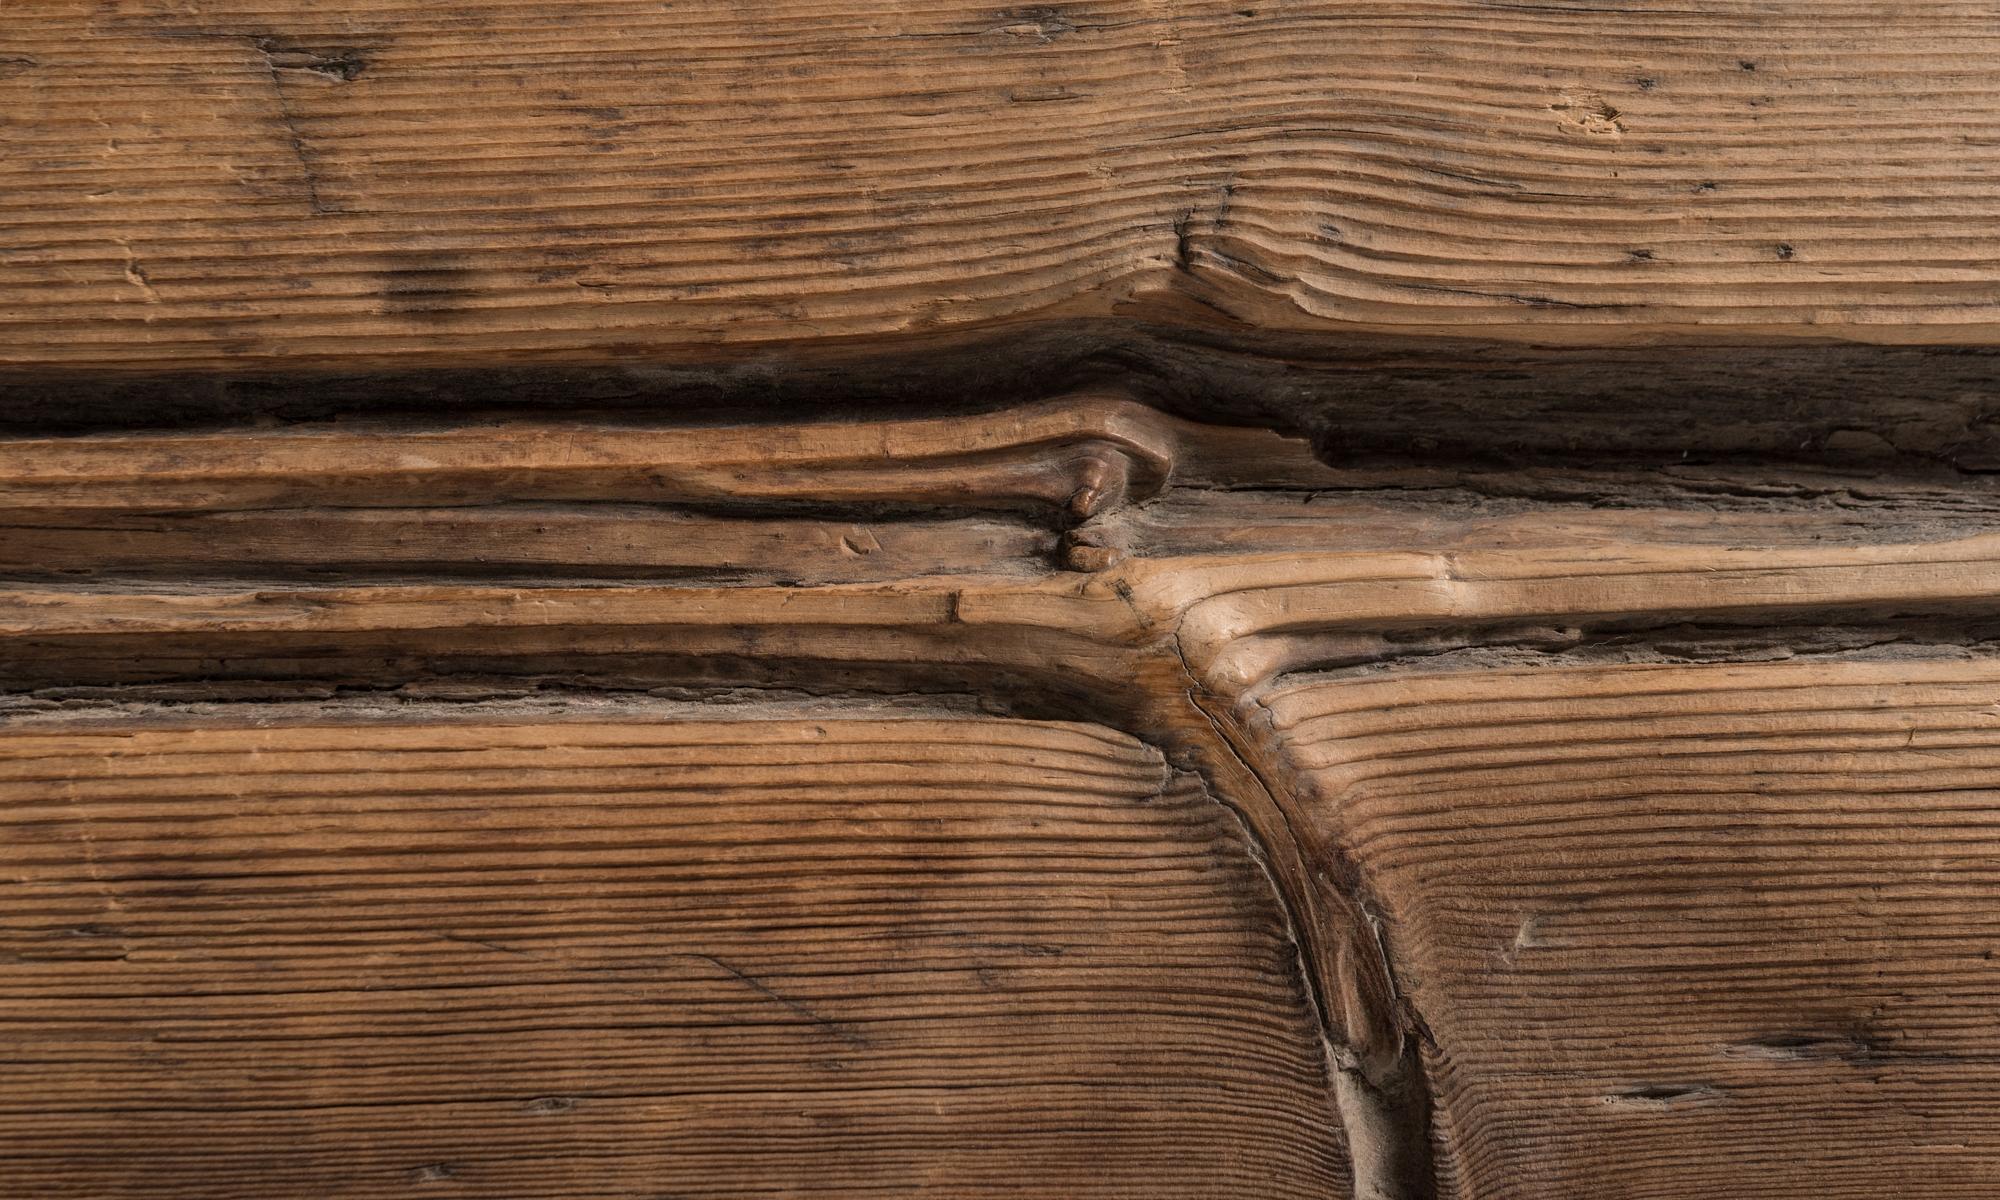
(523, 542)
(1682, 929)
(635, 953)
(538, 499)
(383, 182)
(1082, 453)
(1628, 818)
(1090, 517)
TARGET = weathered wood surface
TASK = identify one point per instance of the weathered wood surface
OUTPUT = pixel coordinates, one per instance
(1677, 930)
(1630, 820)
(638, 951)
(290, 184)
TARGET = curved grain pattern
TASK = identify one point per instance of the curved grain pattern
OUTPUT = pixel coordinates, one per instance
(381, 181)
(641, 957)
(1681, 931)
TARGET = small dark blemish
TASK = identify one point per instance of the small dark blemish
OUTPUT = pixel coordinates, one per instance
(1660, 1095)
(1183, 244)
(1785, 250)
(345, 63)
(1646, 83)
(1705, 185)
(1639, 255)
(428, 286)
(14, 64)
(1045, 94)
(1804, 1047)
(1744, 64)
(1042, 21)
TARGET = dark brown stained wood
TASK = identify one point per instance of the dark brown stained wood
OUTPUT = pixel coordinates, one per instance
(516, 541)
(235, 184)
(1681, 930)
(640, 954)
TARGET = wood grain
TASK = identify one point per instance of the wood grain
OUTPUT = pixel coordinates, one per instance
(1083, 453)
(539, 499)
(1623, 822)
(640, 954)
(381, 182)
(1681, 930)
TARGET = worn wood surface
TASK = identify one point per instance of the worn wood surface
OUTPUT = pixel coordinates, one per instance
(1411, 828)
(638, 951)
(291, 184)
(1681, 929)
(601, 600)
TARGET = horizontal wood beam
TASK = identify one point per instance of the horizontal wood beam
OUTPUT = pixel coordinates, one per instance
(1523, 750)
(404, 184)
(656, 951)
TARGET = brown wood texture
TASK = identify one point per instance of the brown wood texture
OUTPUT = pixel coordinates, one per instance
(639, 951)
(602, 600)
(286, 184)
(1625, 824)
(1682, 929)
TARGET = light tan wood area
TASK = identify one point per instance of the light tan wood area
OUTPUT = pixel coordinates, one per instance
(384, 181)
(1682, 930)
(640, 955)
(541, 499)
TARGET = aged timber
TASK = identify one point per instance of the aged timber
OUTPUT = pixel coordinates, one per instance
(1675, 709)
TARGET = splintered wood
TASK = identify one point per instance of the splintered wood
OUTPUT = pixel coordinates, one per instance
(641, 955)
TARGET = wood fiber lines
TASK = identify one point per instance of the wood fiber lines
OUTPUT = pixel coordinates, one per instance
(260, 182)
(633, 957)
(1683, 930)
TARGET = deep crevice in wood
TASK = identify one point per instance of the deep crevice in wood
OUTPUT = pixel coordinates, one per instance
(1360, 398)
